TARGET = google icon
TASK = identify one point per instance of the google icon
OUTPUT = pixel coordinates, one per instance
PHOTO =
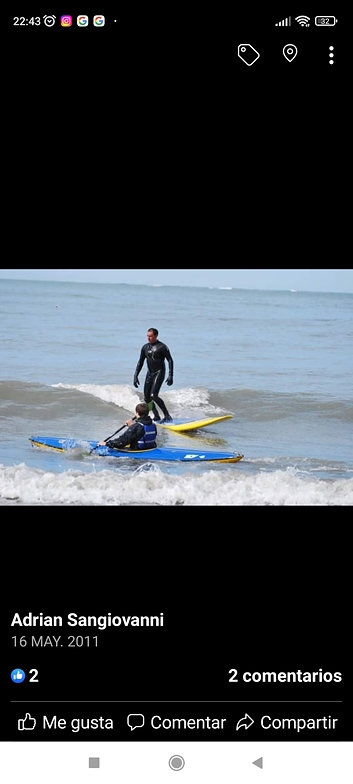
(99, 21)
(82, 21)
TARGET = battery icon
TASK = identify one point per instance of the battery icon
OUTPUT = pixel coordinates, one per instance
(325, 21)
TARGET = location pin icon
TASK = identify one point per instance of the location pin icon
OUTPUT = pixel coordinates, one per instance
(290, 52)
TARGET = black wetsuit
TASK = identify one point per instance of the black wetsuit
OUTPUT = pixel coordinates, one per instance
(133, 435)
(155, 354)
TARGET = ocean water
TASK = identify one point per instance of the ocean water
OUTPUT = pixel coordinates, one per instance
(280, 361)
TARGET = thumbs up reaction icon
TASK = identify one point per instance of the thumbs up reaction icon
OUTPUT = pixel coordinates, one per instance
(28, 723)
(18, 676)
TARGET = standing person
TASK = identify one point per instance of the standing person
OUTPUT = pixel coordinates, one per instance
(156, 353)
(141, 432)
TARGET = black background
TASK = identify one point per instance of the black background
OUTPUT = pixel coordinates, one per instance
(151, 137)
(219, 614)
(173, 45)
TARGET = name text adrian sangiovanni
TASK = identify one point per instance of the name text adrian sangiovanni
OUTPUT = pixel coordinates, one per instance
(100, 621)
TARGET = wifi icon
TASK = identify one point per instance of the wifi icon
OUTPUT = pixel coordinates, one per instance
(304, 21)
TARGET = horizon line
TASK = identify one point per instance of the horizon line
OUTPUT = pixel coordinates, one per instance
(173, 285)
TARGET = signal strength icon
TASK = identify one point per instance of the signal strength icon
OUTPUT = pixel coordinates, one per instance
(304, 21)
(285, 22)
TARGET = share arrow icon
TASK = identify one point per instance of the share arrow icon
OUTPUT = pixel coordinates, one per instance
(246, 722)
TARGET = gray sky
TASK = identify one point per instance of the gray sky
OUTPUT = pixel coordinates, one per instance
(334, 280)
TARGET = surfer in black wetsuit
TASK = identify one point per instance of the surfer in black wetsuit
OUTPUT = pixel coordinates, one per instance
(155, 352)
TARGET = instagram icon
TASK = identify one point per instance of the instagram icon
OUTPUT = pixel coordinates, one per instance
(66, 21)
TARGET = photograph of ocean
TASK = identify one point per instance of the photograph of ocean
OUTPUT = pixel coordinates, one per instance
(281, 362)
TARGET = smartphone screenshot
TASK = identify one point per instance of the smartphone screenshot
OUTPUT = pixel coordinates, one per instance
(148, 692)
(221, 684)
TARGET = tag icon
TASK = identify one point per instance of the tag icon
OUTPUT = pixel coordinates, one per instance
(290, 52)
(248, 54)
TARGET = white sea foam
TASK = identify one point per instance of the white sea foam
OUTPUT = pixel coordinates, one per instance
(193, 399)
(20, 484)
(124, 396)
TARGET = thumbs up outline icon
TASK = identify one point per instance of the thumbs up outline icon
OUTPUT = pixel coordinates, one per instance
(28, 723)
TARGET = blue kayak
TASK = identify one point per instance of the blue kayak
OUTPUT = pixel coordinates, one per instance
(159, 453)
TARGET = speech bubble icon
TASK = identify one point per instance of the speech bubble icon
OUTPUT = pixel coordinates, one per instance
(135, 720)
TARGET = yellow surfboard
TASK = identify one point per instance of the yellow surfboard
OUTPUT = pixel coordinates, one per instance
(182, 425)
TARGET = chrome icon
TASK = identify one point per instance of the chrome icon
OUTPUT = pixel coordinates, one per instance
(66, 21)
(82, 21)
(99, 21)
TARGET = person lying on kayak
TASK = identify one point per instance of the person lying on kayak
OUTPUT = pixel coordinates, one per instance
(141, 432)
